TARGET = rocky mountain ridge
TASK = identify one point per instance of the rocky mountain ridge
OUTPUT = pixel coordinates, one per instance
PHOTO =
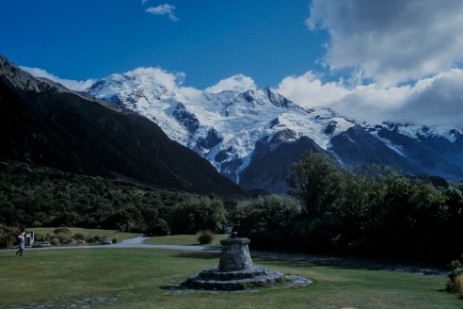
(252, 135)
(44, 123)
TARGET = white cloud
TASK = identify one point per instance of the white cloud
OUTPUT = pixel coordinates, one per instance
(149, 75)
(237, 82)
(68, 83)
(166, 82)
(163, 9)
(307, 90)
(410, 50)
(436, 100)
(391, 41)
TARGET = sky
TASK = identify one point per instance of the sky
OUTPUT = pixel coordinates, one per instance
(369, 60)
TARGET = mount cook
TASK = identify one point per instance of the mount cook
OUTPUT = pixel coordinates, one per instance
(252, 136)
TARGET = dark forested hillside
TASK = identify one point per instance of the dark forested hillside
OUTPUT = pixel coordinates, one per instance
(32, 195)
(42, 122)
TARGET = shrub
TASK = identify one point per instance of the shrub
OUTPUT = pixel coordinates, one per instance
(455, 281)
(459, 284)
(80, 236)
(114, 240)
(197, 214)
(55, 241)
(205, 237)
(455, 264)
(7, 237)
(62, 230)
(39, 237)
(161, 227)
(62, 237)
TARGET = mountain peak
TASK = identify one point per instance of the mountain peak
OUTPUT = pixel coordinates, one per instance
(46, 124)
(141, 78)
(238, 82)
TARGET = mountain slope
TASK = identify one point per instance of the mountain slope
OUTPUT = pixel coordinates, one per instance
(224, 126)
(45, 123)
(253, 135)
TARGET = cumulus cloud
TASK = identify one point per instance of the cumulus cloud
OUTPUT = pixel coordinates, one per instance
(409, 51)
(163, 9)
(237, 82)
(436, 100)
(68, 83)
(159, 76)
(391, 41)
(309, 91)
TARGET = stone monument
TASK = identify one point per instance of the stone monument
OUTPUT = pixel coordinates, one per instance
(235, 271)
(235, 254)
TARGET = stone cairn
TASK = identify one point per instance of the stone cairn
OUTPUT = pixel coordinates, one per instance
(235, 271)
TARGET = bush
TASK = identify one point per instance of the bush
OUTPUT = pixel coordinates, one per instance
(55, 241)
(455, 281)
(161, 228)
(7, 237)
(62, 237)
(114, 240)
(39, 237)
(62, 230)
(80, 236)
(196, 214)
(205, 237)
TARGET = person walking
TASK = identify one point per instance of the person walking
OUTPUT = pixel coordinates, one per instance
(22, 242)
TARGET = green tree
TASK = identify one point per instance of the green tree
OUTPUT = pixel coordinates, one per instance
(195, 214)
(317, 183)
(269, 221)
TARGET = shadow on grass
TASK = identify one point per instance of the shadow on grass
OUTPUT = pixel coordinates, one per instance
(299, 260)
(172, 288)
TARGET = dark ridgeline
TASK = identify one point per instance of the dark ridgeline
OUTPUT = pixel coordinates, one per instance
(42, 122)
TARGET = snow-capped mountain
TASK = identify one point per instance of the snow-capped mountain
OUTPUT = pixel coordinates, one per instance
(253, 135)
(42, 122)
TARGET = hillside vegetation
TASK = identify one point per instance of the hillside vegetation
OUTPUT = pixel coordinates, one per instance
(371, 213)
(35, 196)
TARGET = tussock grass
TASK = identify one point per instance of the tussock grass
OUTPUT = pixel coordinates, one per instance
(136, 278)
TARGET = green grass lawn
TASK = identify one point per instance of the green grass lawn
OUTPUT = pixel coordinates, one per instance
(134, 278)
(183, 240)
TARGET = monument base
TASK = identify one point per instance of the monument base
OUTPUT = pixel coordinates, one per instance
(214, 279)
(235, 271)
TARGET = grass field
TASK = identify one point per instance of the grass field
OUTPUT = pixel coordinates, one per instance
(183, 240)
(136, 278)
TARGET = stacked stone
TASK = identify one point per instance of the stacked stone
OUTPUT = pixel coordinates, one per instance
(235, 271)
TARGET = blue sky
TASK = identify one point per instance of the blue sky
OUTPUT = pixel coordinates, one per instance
(207, 40)
(369, 60)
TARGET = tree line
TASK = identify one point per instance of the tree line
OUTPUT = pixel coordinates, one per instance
(364, 212)
(36, 196)
(371, 212)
